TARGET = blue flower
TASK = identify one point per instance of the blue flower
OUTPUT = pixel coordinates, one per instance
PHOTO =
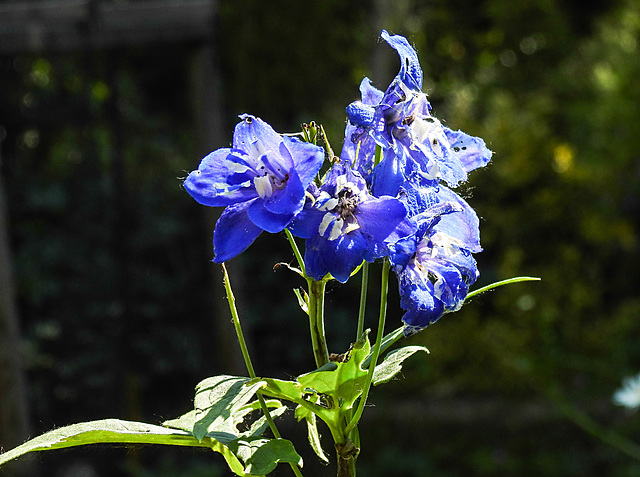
(345, 225)
(261, 180)
(400, 119)
(435, 279)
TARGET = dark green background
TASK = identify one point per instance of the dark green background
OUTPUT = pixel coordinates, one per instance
(120, 306)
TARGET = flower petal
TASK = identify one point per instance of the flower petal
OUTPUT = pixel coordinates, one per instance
(223, 177)
(463, 226)
(417, 298)
(307, 158)
(234, 232)
(338, 257)
(378, 218)
(349, 253)
(255, 136)
(307, 223)
(369, 93)
(469, 150)
(267, 220)
(410, 70)
(359, 149)
(290, 199)
(389, 175)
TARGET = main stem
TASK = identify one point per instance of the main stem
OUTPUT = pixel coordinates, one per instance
(316, 321)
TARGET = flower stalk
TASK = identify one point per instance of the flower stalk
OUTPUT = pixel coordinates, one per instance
(247, 360)
(363, 299)
(384, 289)
(316, 321)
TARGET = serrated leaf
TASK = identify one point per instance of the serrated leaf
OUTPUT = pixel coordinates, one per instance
(343, 384)
(392, 363)
(219, 406)
(328, 392)
(262, 455)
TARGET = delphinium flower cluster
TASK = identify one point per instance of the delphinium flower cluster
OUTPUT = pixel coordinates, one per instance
(389, 194)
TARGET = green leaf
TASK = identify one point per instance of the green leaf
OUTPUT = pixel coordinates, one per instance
(392, 363)
(220, 406)
(328, 392)
(343, 385)
(312, 431)
(260, 425)
(221, 403)
(184, 422)
(499, 284)
(386, 342)
(116, 431)
(262, 455)
(187, 421)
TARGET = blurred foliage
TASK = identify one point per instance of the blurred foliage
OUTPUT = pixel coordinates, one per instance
(111, 256)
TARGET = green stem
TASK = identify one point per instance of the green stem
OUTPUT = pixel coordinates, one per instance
(247, 360)
(384, 288)
(387, 341)
(316, 308)
(236, 323)
(316, 321)
(363, 300)
(296, 251)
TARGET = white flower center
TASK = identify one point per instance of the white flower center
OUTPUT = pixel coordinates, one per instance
(269, 178)
(339, 219)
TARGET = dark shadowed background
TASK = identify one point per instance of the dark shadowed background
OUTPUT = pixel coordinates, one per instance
(112, 308)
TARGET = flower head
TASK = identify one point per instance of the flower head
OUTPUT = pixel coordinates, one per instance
(345, 225)
(261, 179)
(435, 279)
(401, 119)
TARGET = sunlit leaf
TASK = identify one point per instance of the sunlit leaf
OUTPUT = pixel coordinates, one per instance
(220, 406)
(327, 392)
(262, 455)
(392, 363)
(499, 284)
(115, 431)
(312, 431)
